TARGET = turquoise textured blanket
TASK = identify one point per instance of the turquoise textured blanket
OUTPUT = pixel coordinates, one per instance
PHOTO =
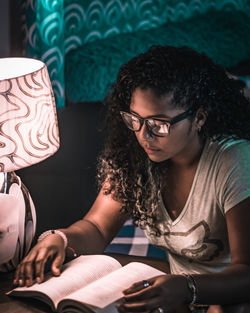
(92, 68)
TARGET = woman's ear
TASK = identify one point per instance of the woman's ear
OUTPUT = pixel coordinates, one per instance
(200, 118)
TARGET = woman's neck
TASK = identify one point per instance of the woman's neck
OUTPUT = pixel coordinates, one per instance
(191, 156)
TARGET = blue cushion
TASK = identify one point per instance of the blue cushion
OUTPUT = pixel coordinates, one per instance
(131, 240)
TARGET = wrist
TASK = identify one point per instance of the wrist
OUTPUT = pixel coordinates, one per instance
(53, 232)
(71, 250)
(192, 289)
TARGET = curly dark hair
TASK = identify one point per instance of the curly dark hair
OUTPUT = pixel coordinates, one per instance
(194, 81)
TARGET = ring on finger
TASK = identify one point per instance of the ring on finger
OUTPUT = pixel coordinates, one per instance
(145, 283)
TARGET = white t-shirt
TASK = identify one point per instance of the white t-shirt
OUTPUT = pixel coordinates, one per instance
(197, 240)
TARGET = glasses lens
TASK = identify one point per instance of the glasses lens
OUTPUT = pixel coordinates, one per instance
(158, 128)
(131, 121)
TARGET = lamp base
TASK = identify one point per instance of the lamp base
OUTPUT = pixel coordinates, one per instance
(17, 221)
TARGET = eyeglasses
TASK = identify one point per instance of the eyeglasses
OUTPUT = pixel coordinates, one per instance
(155, 126)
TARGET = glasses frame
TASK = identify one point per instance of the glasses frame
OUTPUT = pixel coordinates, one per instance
(141, 120)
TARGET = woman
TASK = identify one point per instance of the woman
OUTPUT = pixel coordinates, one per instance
(177, 160)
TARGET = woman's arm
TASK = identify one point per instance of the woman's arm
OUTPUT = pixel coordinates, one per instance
(233, 284)
(95, 231)
(87, 236)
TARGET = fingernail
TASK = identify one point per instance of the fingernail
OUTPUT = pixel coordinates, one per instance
(20, 282)
(57, 271)
(38, 280)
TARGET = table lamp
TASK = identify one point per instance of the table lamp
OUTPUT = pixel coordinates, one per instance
(28, 135)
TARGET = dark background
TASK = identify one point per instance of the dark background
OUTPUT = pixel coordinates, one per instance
(4, 29)
(10, 29)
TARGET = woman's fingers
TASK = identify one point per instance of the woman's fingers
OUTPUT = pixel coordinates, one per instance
(33, 265)
(140, 291)
(138, 286)
(141, 295)
(159, 293)
(20, 274)
(57, 264)
(40, 262)
(139, 306)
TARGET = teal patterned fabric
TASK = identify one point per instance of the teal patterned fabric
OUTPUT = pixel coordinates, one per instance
(54, 28)
(91, 69)
(45, 39)
(87, 20)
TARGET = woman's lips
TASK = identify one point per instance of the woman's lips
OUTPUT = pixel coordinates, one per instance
(151, 150)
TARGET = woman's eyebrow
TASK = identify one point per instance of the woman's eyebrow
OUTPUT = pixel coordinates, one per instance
(152, 116)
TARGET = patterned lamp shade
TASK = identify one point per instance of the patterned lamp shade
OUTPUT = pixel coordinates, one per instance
(28, 134)
(28, 123)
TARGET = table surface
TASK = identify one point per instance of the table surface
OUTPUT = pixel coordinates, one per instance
(18, 305)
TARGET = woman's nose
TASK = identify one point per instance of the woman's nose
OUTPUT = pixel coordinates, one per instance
(146, 133)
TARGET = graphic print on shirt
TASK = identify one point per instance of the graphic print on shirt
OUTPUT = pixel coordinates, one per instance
(196, 243)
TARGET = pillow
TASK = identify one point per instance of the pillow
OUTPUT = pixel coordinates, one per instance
(92, 68)
(131, 240)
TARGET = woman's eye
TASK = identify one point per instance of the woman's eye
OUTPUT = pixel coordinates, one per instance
(159, 123)
(134, 119)
(163, 129)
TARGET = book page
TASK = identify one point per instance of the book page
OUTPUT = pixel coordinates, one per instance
(76, 274)
(108, 289)
(76, 307)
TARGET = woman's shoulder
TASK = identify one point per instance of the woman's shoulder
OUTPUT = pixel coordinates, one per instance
(229, 146)
(228, 154)
(231, 171)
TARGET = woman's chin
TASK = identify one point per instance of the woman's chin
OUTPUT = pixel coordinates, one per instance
(157, 158)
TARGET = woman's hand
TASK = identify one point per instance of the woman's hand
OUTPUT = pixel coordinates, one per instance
(32, 266)
(167, 292)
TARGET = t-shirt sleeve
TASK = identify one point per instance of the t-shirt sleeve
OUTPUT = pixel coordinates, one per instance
(233, 176)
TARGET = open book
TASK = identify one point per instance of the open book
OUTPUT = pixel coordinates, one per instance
(89, 283)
